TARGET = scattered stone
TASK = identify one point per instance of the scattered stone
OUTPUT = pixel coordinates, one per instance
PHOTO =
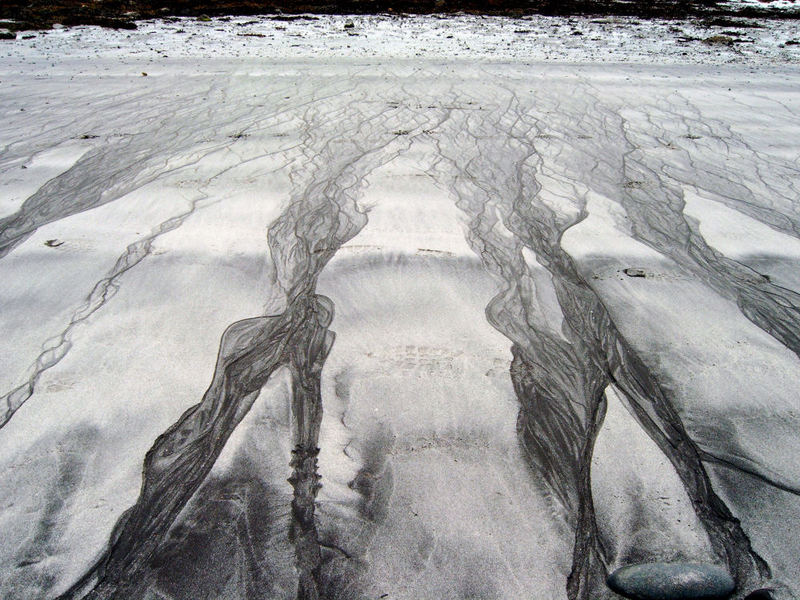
(719, 40)
(121, 24)
(792, 43)
(672, 581)
(633, 184)
(631, 272)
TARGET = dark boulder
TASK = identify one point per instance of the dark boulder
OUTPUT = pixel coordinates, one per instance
(672, 581)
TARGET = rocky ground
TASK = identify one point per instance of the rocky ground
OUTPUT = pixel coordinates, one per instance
(748, 42)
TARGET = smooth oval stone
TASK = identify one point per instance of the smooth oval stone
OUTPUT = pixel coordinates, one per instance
(672, 581)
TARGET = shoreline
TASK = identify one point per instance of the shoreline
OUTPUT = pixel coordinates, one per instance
(19, 16)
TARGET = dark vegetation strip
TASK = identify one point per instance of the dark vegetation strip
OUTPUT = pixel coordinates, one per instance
(39, 14)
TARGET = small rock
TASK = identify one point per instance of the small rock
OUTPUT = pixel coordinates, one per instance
(54, 243)
(7, 35)
(633, 184)
(759, 595)
(631, 272)
(204, 18)
(349, 25)
(672, 581)
(123, 24)
(144, 74)
(719, 40)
